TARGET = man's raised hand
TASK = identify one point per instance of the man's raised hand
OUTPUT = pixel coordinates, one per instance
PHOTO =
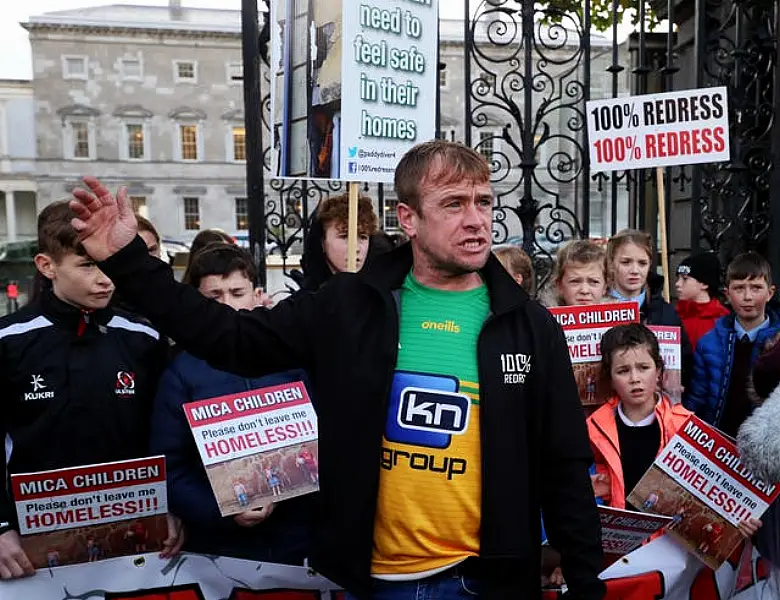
(105, 223)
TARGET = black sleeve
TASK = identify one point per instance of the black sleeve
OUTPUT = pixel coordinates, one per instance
(8, 518)
(248, 343)
(571, 518)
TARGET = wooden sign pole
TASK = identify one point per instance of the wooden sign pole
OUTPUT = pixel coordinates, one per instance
(352, 227)
(659, 172)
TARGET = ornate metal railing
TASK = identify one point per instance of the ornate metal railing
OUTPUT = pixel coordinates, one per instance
(529, 70)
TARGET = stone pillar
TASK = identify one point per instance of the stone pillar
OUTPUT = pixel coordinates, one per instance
(10, 215)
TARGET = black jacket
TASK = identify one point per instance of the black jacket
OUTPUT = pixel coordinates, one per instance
(69, 398)
(535, 448)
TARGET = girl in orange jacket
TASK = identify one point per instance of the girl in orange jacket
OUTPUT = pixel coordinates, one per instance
(628, 432)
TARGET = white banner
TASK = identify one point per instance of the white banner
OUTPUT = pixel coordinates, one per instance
(661, 570)
(187, 577)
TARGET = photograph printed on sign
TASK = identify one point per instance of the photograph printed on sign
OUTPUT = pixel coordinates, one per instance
(252, 482)
(306, 52)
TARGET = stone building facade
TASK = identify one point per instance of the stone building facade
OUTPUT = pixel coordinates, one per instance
(17, 161)
(148, 97)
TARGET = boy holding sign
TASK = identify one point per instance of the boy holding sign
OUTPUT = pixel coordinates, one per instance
(225, 273)
(77, 377)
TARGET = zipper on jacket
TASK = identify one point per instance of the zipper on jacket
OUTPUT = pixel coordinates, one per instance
(725, 380)
(482, 405)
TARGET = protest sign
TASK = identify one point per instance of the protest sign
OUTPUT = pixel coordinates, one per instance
(658, 130)
(623, 531)
(257, 446)
(353, 86)
(670, 345)
(84, 514)
(584, 326)
(699, 480)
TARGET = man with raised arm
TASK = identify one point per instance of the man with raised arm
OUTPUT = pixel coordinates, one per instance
(448, 411)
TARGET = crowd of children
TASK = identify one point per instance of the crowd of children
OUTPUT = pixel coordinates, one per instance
(720, 347)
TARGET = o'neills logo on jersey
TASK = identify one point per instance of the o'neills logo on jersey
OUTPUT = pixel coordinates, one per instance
(515, 367)
(38, 385)
(125, 383)
(446, 326)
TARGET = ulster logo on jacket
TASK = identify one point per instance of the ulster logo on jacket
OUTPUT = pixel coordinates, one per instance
(125, 383)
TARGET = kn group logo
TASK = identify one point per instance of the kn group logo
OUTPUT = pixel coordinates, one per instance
(426, 410)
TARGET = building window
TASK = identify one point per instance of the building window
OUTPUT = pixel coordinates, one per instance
(189, 142)
(191, 214)
(185, 71)
(134, 143)
(131, 68)
(79, 140)
(235, 73)
(139, 206)
(487, 144)
(444, 78)
(447, 134)
(391, 215)
(74, 67)
(239, 142)
(242, 214)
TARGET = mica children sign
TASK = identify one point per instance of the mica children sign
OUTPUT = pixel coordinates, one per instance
(257, 446)
(699, 480)
(84, 514)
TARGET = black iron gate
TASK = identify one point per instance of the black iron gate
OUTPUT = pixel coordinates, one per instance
(528, 70)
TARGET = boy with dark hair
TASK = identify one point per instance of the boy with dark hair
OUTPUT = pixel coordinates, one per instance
(226, 273)
(725, 356)
(697, 286)
(61, 358)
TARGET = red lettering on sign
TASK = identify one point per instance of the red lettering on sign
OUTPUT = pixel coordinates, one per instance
(193, 592)
(647, 586)
(276, 594)
(182, 592)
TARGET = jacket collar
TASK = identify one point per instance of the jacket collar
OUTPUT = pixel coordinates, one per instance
(726, 325)
(387, 273)
(68, 316)
(606, 418)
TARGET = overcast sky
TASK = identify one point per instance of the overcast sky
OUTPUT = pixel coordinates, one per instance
(15, 60)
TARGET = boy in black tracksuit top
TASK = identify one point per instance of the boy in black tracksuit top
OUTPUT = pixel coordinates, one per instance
(77, 379)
